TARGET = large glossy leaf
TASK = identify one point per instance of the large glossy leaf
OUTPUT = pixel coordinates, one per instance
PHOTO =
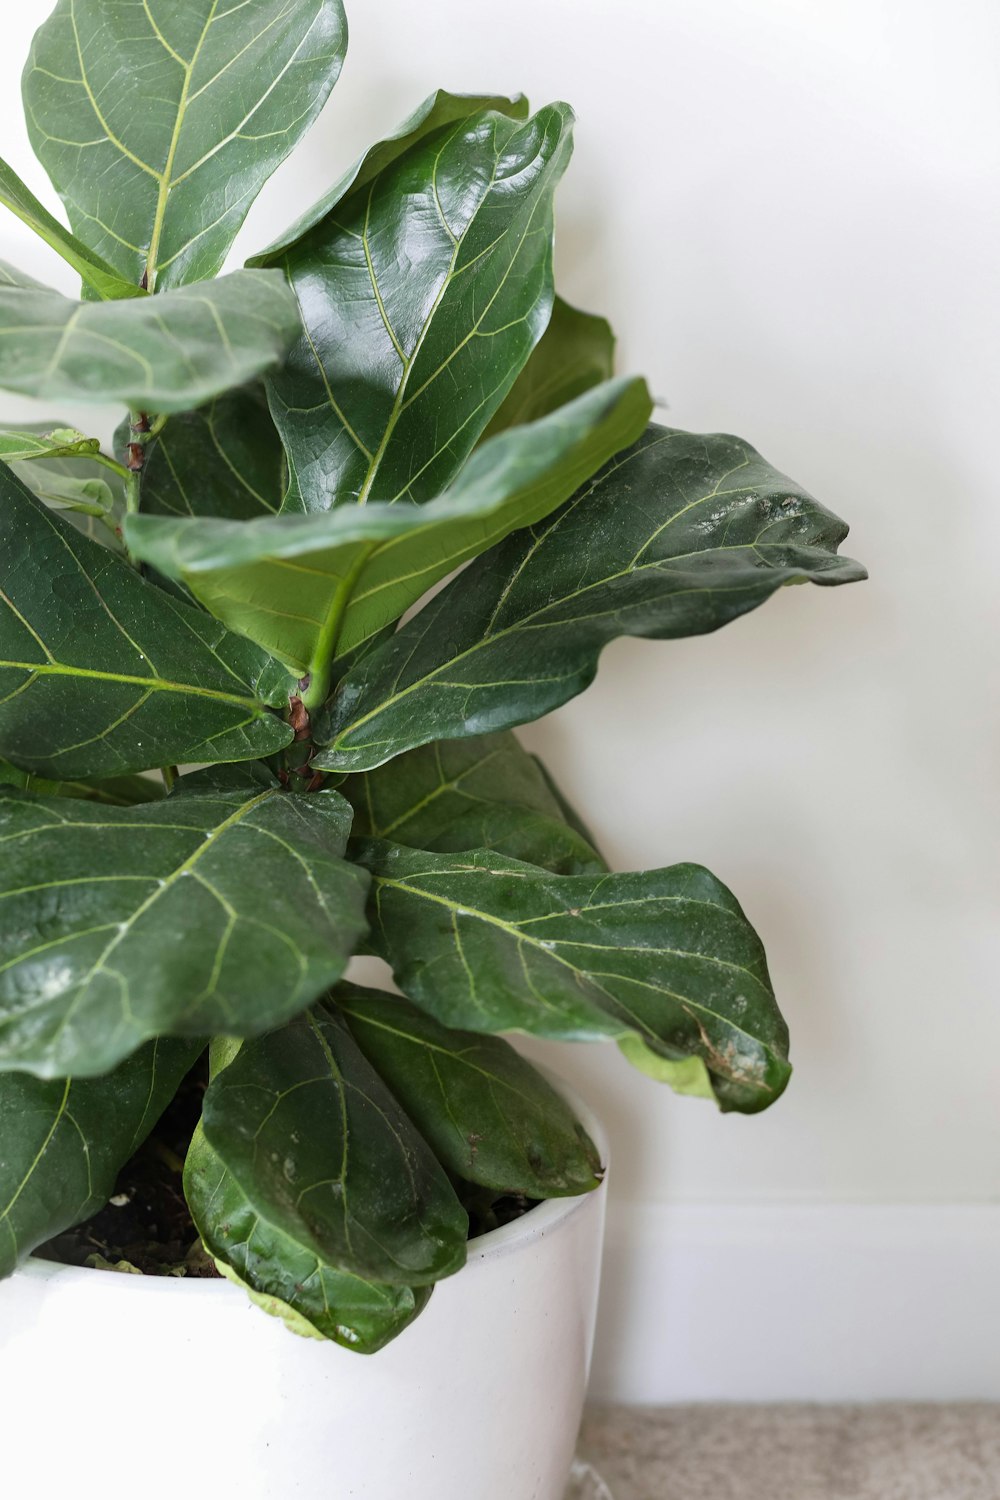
(160, 354)
(215, 910)
(299, 584)
(101, 673)
(676, 537)
(160, 122)
(225, 459)
(490, 1117)
(485, 792)
(324, 1152)
(575, 353)
(95, 272)
(63, 1141)
(283, 1277)
(422, 293)
(664, 961)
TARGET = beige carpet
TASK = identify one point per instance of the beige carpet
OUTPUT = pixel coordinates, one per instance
(796, 1452)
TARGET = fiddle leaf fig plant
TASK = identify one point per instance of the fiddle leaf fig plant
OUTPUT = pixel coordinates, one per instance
(389, 396)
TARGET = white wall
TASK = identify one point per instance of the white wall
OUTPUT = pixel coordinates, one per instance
(789, 209)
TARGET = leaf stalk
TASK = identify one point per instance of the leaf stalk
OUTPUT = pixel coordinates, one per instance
(321, 667)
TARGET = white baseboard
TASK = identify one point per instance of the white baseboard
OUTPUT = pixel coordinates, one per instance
(833, 1302)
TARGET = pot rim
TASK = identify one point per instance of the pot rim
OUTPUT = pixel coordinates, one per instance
(546, 1217)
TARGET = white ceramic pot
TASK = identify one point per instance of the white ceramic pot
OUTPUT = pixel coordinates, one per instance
(181, 1390)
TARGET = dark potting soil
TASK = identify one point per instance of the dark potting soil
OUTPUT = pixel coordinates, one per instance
(147, 1227)
(486, 1211)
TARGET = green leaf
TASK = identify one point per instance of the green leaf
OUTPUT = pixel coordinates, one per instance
(288, 1281)
(439, 109)
(67, 472)
(89, 494)
(95, 272)
(214, 910)
(103, 674)
(422, 293)
(49, 441)
(302, 585)
(480, 793)
(664, 960)
(575, 353)
(72, 486)
(161, 355)
(488, 1115)
(117, 791)
(159, 122)
(64, 1141)
(677, 536)
(225, 459)
(324, 1152)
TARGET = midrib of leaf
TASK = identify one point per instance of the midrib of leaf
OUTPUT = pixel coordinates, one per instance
(166, 184)
(186, 98)
(154, 684)
(67, 822)
(196, 166)
(463, 909)
(39, 1157)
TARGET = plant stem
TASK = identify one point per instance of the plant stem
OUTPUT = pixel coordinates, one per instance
(132, 491)
(131, 507)
(321, 666)
(169, 774)
(135, 459)
(110, 463)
